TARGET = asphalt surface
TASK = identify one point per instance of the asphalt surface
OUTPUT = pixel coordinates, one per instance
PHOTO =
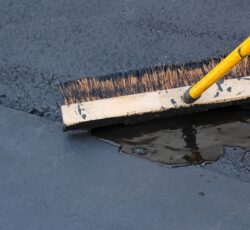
(44, 42)
(52, 180)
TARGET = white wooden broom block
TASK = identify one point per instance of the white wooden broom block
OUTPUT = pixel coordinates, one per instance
(152, 102)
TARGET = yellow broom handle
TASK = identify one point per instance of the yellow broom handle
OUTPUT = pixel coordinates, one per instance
(218, 71)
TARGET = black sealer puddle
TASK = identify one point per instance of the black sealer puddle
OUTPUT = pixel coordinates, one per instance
(182, 140)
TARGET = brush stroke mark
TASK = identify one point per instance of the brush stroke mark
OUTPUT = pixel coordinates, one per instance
(219, 83)
(217, 94)
(173, 101)
(79, 109)
(81, 112)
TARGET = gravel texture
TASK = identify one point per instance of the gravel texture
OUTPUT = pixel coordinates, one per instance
(45, 42)
(234, 163)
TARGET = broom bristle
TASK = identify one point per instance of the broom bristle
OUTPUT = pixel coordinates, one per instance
(145, 80)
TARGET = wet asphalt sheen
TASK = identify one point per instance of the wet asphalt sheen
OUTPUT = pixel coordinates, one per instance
(53, 180)
(199, 138)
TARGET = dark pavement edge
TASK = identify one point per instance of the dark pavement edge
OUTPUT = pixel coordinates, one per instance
(53, 180)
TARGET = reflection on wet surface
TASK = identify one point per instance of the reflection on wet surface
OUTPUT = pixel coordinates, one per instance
(190, 139)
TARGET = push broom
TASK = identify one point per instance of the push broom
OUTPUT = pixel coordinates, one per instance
(140, 95)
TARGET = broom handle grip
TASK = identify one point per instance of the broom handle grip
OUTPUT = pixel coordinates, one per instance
(239, 53)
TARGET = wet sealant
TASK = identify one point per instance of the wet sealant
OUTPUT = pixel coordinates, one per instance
(182, 140)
